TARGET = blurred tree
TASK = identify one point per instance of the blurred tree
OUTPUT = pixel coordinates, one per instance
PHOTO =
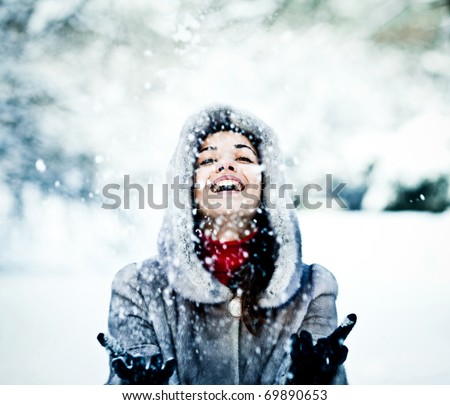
(429, 195)
(27, 156)
(415, 25)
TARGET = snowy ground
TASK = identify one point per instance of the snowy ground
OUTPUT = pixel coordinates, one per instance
(392, 271)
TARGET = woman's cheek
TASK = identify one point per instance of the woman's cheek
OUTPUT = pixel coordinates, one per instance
(201, 182)
(201, 177)
(254, 172)
(255, 179)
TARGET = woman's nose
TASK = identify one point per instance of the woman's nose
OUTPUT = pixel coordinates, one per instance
(225, 165)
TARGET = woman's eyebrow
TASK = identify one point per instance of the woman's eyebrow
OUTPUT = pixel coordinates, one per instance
(240, 146)
(208, 148)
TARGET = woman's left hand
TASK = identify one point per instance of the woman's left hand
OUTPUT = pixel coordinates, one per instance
(318, 364)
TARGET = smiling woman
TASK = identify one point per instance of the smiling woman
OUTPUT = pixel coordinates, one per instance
(228, 299)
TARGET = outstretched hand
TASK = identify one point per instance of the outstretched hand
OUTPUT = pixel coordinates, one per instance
(148, 370)
(138, 369)
(318, 364)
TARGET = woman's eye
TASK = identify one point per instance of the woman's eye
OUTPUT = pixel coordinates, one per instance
(244, 159)
(206, 162)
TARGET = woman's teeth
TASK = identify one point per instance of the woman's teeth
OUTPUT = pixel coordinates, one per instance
(226, 185)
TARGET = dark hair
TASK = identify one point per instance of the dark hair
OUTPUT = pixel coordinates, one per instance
(254, 276)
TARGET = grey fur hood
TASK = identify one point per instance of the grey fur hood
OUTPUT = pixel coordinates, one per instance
(176, 239)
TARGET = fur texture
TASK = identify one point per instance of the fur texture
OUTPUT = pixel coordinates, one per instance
(171, 304)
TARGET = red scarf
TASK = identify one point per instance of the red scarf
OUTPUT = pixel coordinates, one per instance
(222, 259)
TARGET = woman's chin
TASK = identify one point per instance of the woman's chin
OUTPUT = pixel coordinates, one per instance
(231, 211)
(229, 203)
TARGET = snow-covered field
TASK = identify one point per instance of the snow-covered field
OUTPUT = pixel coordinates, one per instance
(392, 270)
(393, 273)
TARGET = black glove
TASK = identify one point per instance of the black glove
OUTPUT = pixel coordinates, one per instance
(318, 364)
(138, 369)
(141, 370)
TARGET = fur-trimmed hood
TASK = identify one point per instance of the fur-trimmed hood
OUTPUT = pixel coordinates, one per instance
(176, 241)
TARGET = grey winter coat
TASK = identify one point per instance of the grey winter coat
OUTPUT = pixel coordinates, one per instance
(172, 305)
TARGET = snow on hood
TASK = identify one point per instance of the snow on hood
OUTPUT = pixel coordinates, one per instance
(185, 271)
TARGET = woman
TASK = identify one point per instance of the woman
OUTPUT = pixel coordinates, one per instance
(228, 289)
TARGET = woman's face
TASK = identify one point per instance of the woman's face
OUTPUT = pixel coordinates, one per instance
(227, 176)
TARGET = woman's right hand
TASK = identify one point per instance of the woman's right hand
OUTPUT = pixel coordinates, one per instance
(143, 370)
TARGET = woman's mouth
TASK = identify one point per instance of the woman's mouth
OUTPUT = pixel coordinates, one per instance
(227, 183)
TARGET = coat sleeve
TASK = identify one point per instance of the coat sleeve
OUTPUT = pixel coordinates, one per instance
(321, 317)
(129, 320)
